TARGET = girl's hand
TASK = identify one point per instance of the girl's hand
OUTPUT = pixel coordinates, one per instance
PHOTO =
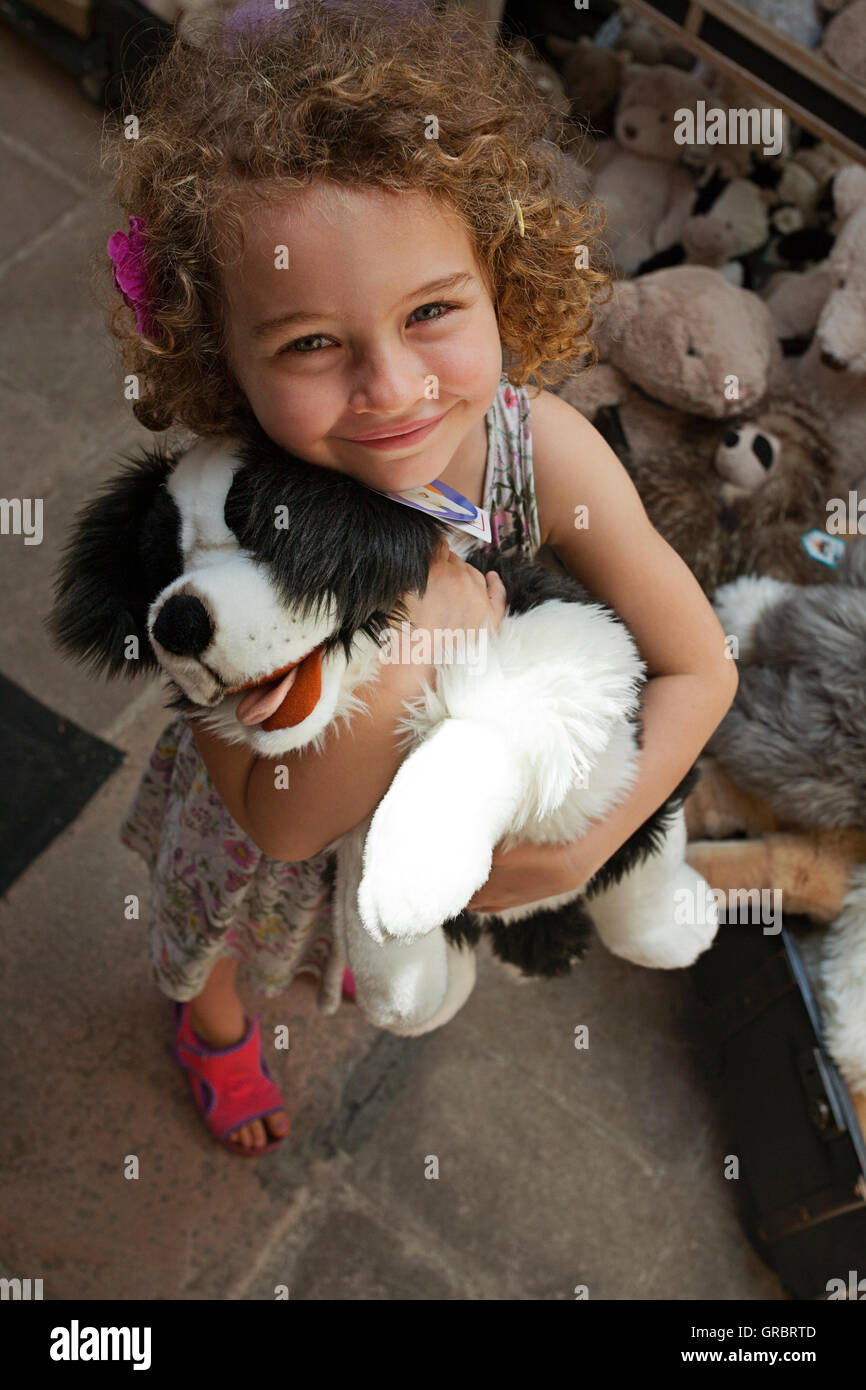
(529, 872)
(457, 596)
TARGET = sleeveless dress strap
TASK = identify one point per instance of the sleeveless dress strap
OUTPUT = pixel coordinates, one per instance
(509, 486)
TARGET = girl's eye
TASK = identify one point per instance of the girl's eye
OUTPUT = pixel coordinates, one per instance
(299, 343)
(446, 307)
(302, 345)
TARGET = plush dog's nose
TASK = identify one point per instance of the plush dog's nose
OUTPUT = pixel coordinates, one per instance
(183, 625)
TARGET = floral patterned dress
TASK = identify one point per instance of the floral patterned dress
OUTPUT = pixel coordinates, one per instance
(214, 892)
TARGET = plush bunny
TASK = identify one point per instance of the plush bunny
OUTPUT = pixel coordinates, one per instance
(263, 586)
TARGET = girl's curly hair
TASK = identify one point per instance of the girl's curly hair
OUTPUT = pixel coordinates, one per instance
(351, 91)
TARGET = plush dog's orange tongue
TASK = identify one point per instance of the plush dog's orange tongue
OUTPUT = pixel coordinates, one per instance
(286, 697)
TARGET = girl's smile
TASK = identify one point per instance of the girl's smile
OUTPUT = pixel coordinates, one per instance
(400, 438)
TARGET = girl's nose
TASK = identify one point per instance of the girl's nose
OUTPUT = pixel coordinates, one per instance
(387, 384)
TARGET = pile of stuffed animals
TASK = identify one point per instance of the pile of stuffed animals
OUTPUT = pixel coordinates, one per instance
(834, 28)
(732, 385)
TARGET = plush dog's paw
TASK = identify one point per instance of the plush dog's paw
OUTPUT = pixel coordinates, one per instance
(665, 931)
(672, 949)
(419, 870)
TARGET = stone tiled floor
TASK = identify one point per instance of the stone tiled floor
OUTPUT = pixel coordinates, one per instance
(556, 1167)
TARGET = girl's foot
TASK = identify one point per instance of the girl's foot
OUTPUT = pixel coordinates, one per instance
(217, 1019)
(244, 1071)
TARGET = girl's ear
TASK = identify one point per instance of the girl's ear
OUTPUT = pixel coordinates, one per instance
(124, 550)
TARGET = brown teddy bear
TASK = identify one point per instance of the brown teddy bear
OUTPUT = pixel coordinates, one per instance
(593, 71)
(592, 77)
(729, 221)
(640, 175)
(740, 156)
(830, 377)
(727, 226)
(680, 349)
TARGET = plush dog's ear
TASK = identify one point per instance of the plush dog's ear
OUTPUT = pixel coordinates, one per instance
(123, 551)
(347, 542)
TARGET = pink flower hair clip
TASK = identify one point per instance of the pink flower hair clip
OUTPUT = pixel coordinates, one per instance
(129, 261)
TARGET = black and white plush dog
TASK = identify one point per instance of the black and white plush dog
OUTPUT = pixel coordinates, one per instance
(264, 586)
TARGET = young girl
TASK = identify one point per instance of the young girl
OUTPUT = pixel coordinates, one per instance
(345, 219)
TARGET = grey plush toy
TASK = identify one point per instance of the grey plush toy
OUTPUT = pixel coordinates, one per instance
(787, 769)
(796, 733)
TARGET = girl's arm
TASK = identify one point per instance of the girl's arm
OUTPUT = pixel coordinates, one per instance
(330, 792)
(612, 548)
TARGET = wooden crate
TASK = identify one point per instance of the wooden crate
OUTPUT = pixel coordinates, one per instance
(802, 82)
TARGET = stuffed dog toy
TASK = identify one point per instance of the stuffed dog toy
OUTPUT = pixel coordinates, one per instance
(263, 586)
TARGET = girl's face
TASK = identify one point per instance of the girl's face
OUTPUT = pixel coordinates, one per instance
(361, 312)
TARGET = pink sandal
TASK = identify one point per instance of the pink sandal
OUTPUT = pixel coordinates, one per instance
(232, 1085)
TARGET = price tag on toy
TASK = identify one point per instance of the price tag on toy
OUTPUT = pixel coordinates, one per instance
(447, 504)
(827, 549)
